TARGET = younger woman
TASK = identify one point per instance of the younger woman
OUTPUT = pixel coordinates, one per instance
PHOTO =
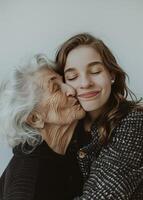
(112, 159)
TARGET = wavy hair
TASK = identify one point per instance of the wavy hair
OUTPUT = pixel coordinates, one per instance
(18, 98)
(118, 105)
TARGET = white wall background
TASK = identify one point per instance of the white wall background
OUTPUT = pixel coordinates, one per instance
(40, 26)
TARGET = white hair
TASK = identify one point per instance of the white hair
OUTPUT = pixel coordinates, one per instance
(18, 97)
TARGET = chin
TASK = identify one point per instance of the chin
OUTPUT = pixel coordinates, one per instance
(89, 109)
(77, 115)
(90, 106)
(80, 114)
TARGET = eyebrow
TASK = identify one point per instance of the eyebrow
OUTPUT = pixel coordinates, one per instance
(95, 63)
(55, 77)
(52, 78)
(70, 69)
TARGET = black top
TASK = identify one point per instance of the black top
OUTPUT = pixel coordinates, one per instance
(42, 175)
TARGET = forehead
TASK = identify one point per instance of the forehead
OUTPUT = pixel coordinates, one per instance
(82, 56)
(46, 73)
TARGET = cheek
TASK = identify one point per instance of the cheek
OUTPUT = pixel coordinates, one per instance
(57, 103)
(106, 87)
(104, 81)
(59, 114)
(74, 83)
(60, 107)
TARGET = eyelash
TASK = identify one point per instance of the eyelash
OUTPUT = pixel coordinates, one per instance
(70, 79)
(95, 72)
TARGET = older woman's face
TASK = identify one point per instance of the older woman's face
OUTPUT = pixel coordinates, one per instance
(58, 104)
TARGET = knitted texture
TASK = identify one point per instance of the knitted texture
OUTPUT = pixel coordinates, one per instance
(115, 171)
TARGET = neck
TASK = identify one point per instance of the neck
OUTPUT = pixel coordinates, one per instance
(90, 118)
(58, 136)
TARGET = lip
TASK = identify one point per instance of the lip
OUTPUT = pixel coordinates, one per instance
(89, 94)
(76, 105)
(74, 102)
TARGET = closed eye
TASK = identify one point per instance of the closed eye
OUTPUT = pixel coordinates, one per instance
(98, 72)
(72, 78)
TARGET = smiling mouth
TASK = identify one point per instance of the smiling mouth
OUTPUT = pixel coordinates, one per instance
(88, 95)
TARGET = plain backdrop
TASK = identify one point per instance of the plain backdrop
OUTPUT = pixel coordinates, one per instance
(39, 26)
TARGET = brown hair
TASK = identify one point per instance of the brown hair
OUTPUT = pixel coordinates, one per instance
(118, 105)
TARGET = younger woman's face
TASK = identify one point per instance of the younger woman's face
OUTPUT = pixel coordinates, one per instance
(85, 72)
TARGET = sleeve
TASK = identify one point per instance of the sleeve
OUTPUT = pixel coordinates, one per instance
(41, 174)
(2, 185)
(19, 179)
(117, 173)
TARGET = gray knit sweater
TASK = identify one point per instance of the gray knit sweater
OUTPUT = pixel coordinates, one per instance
(115, 171)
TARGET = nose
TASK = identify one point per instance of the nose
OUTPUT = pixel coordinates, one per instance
(68, 90)
(85, 82)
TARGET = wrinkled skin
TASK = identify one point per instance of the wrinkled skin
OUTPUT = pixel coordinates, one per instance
(58, 111)
(58, 104)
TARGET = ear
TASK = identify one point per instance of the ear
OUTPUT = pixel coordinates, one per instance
(35, 120)
(112, 76)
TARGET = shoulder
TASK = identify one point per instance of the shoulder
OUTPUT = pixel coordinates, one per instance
(133, 119)
(135, 114)
(19, 172)
(26, 150)
(126, 141)
(130, 130)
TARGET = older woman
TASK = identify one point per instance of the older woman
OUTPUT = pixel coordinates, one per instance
(39, 114)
